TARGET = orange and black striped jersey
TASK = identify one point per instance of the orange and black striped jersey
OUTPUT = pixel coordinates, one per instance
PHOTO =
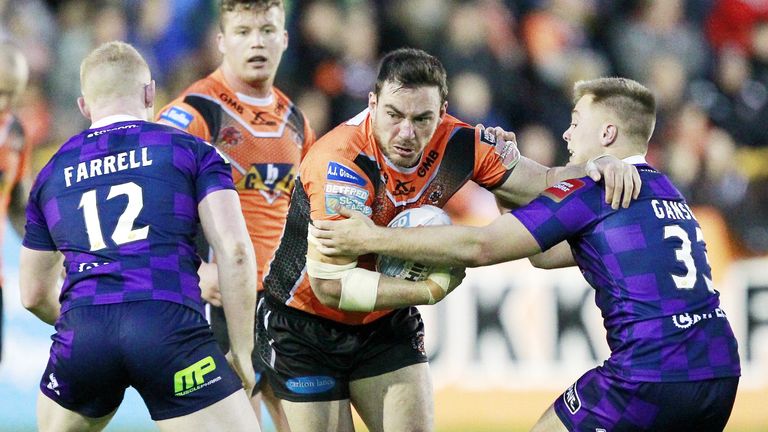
(264, 139)
(14, 156)
(346, 167)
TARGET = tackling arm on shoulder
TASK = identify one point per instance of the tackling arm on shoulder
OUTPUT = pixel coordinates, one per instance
(529, 178)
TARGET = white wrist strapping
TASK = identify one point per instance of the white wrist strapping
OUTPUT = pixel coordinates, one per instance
(442, 277)
(359, 288)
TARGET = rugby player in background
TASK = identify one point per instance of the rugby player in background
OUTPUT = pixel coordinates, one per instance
(335, 333)
(14, 153)
(121, 202)
(264, 135)
(674, 362)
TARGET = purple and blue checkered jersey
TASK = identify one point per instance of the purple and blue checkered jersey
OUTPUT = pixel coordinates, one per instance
(648, 266)
(120, 202)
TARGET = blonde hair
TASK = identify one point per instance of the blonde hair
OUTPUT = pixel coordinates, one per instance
(631, 102)
(113, 70)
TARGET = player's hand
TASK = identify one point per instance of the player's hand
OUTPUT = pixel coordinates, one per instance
(243, 366)
(209, 283)
(506, 145)
(347, 237)
(622, 181)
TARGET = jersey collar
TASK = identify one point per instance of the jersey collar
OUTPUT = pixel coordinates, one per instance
(250, 100)
(113, 119)
(635, 160)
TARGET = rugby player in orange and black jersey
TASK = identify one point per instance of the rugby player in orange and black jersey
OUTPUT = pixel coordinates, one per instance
(332, 329)
(257, 127)
(264, 140)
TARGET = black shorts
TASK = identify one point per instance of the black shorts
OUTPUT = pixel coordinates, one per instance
(600, 401)
(164, 350)
(310, 358)
(220, 333)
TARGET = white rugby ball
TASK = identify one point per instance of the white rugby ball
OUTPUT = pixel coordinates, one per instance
(419, 216)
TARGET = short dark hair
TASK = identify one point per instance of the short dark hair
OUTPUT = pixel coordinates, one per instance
(411, 67)
(231, 5)
(632, 102)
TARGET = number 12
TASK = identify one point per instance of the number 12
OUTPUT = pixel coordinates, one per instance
(124, 232)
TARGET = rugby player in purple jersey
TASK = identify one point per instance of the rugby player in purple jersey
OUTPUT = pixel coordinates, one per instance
(120, 204)
(674, 362)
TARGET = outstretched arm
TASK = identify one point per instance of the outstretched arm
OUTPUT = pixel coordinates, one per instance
(557, 256)
(529, 178)
(505, 239)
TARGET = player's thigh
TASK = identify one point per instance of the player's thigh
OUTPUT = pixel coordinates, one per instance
(325, 416)
(401, 400)
(549, 422)
(232, 413)
(55, 418)
(173, 361)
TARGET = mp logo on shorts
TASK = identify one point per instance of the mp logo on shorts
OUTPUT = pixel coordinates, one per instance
(571, 399)
(310, 384)
(192, 379)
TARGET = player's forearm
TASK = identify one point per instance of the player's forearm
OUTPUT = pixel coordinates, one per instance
(39, 271)
(390, 293)
(453, 246)
(530, 179)
(558, 174)
(526, 182)
(237, 282)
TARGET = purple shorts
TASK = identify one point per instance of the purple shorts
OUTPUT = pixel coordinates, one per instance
(602, 402)
(164, 350)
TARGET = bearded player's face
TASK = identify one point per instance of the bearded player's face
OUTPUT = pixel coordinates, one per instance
(404, 120)
(253, 42)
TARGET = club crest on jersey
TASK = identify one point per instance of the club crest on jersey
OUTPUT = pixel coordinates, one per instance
(341, 173)
(561, 190)
(177, 117)
(270, 179)
(230, 136)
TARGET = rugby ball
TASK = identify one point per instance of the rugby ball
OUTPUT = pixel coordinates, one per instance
(419, 216)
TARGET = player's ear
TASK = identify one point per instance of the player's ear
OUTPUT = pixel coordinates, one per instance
(149, 94)
(372, 101)
(220, 43)
(443, 110)
(608, 134)
(285, 40)
(84, 110)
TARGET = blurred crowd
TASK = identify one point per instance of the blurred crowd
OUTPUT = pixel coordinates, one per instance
(511, 63)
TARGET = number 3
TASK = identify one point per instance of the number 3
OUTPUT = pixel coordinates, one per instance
(124, 232)
(683, 254)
